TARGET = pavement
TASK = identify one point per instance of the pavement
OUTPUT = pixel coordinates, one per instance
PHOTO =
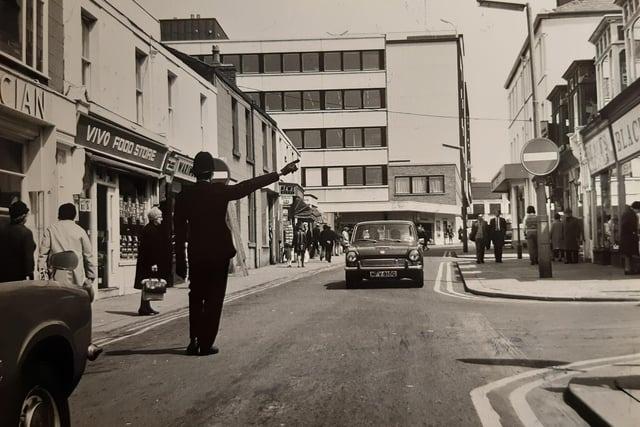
(517, 278)
(114, 315)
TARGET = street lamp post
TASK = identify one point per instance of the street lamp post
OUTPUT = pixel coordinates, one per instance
(544, 246)
(465, 200)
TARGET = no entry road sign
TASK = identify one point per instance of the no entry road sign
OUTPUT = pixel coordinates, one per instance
(540, 156)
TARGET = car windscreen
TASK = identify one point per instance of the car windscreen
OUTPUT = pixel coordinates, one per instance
(395, 232)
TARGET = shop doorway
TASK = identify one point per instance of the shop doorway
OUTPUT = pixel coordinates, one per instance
(106, 236)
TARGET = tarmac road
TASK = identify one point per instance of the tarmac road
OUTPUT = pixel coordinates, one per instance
(312, 352)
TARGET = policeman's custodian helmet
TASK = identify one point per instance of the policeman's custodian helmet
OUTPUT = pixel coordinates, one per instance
(203, 163)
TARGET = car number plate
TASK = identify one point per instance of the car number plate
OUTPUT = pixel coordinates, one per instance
(379, 274)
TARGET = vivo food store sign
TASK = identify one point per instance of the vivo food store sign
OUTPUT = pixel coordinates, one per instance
(105, 138)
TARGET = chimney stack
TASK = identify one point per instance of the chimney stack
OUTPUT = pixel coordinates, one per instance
(215, 50)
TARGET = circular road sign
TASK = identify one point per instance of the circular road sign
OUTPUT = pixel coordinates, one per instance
(540, 156)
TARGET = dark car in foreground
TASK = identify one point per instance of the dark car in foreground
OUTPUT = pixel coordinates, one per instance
(384, 250)
(44, 346)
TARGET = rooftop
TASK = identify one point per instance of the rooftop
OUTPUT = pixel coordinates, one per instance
(585, 6)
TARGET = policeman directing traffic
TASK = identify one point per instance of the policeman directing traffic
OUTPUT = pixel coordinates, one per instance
(200, 220)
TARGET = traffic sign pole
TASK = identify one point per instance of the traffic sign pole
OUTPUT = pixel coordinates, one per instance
(540, 157)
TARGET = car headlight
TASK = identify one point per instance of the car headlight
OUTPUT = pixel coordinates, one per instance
(414, 255)
(352, 257)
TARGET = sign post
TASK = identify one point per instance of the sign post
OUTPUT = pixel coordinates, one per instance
(540, 157)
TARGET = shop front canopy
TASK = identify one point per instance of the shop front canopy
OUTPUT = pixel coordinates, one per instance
(301, 210)
(508, 173)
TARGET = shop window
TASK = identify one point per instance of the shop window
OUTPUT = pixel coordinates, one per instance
(311, 100)
(352, 99)
(250, 64)
(312, 138)
(419, 184)
(24, 42)
(353, 138)
(351, 61)
(310, 62)
(295, 136)
(335, 177)
(333, 100)
(291, 62)
(293, 101)
(373, 137)
(334, 138)
(10, 173)
(373, 175)
(371, 60)
(312, 177)
(273, 101)
(332, 61)
(372, 98)
(436, 184)
(133, 207)
(354, 175)
(272, 63)
(403, 185)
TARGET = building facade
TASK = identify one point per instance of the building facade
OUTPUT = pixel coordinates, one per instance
(361, 110)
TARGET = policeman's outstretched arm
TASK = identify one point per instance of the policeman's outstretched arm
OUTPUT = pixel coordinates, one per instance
(244, 188)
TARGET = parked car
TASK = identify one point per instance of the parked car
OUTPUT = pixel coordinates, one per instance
(381, 250)
(44, 345)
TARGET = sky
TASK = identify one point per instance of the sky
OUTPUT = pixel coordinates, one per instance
(492, 40)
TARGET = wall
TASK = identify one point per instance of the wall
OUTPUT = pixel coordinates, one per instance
(451, 183)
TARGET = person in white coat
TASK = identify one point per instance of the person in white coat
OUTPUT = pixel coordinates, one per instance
(66, 235)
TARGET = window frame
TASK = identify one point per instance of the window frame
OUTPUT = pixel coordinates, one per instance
(279, 62)
(248, 139)
(412, 191)
(244, 66)
(36, 58)
(235, 122)
(171, 86)
(140, 77)
(88, 22)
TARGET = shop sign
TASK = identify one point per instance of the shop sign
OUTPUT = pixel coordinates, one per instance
(287, 189)
(84, 205)
(22, 96)
(180, 167)
(626, 133)
(287, 199)
(103, 137)
(599, 152)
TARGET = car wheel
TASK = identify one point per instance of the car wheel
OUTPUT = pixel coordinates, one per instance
(42, 402)
(352, 280)
(419, 281)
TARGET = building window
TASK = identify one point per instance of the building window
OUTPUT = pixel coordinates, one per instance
(353, 138)
(335, 177)
(293, 101)
(436, 184)
(88, 24)
(312, 138)
(494, 208)
(22, 31)
(311, 100)
(272, 63)
(334, 138)
(372, 98)
(295, 136)
(252, 218)
(141, 69)
(248, 140)
(273, 101)
(310, 62)
(255, 98)
(351, 61)
(419, 184)
(371, 60)
(373, 175)
(171, 84)
(265, 141)
(478, 209)
(354, 175)
(234, 127)
(250, 64)
(332, 61)
(403, 185)
(373, 137)
(333, 100)
(352, 99)
(291, 62)
(233, 60)
(266, 151)
(203, 115)
(11, 175)
(312, 177)
(620, 31)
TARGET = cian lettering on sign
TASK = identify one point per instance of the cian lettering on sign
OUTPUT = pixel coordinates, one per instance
(22, 96)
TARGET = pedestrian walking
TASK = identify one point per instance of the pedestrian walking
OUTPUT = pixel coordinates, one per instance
(557, 237)
(153, 252)
(315, 238)
(422, 234)
(300, 244)
(327, 239)
(200, 220)
(288, 242)
(345, 239)
(480, 234)
(629, 236)
(66, 235)
(16, 246)
(572, 237)
(498, 230)
(531, 234)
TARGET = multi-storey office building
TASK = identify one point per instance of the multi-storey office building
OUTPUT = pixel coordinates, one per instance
(369, 114)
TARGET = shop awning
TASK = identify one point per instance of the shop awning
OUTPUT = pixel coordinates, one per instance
(121, 166)
(301, 210)
(508, 172)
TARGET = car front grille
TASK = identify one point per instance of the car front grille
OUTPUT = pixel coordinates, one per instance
(384, 262)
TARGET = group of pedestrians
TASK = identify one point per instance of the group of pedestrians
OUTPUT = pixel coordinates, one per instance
(483, 234)
(566, 237)
(305, 241)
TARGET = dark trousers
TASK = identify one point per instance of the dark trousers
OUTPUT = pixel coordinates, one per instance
(207, 287)
(557, 254)
(497, 250)
(480, 247)
(328, 250)
(571, 257)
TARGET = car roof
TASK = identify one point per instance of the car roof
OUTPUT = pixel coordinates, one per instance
(389, 221)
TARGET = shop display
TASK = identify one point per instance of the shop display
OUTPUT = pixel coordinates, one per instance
(132, 220)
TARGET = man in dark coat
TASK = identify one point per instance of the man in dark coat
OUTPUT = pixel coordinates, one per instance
(327, 238)
(200, 219)
(629, 236)
(498, 231)
(481, 236)
(17, 246)
(154, 249)
(572, 237)
(300, 244)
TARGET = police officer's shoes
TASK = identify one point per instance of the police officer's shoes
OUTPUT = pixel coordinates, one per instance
(208, 351)
(192, 349)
